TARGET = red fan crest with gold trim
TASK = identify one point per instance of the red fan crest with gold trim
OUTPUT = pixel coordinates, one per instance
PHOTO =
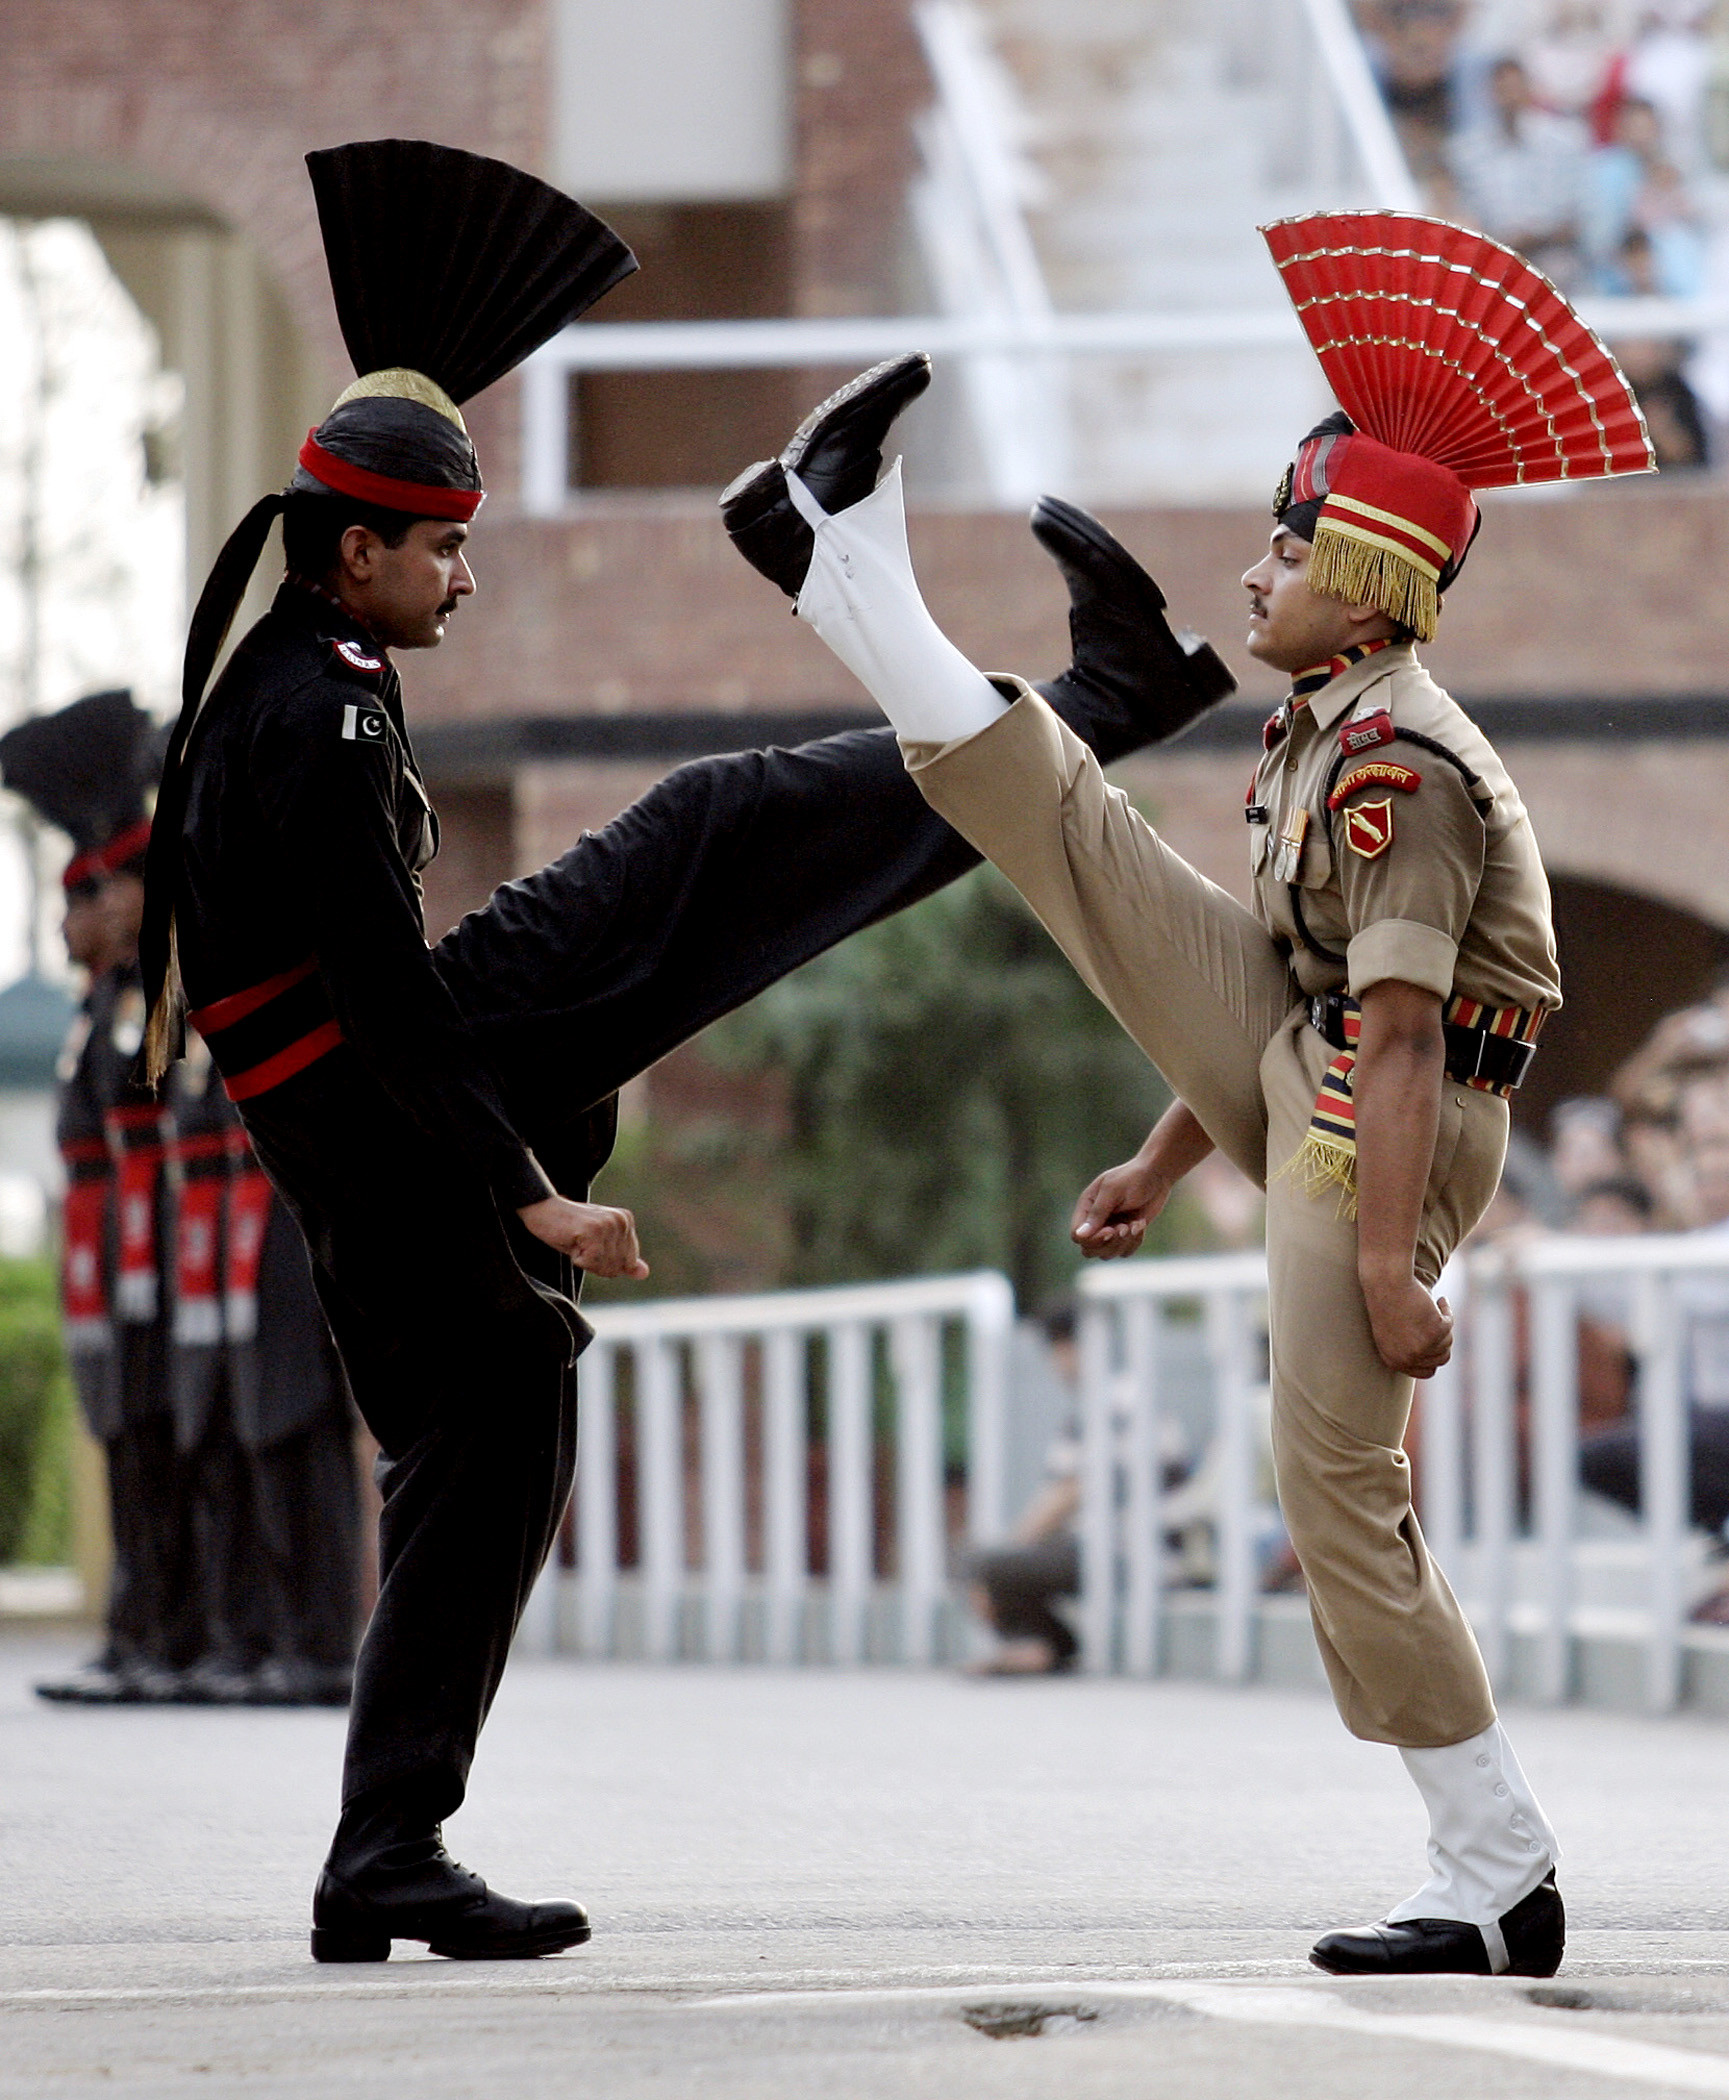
(1442, 342)
(1461, 368)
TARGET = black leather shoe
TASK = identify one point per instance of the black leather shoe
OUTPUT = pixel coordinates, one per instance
(1124, 648)
(290, 1680)
(1535, 1932)
(403, 1885)
(99, 1682)
(215, 1680)
(836, 452)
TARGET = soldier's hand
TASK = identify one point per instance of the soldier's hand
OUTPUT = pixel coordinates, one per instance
(1413, 1332)
(595, 1236)
(1115, 1209)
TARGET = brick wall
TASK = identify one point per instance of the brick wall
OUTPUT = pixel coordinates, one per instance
(222, 97)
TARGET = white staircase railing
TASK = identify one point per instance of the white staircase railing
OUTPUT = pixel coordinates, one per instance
(719, 1428)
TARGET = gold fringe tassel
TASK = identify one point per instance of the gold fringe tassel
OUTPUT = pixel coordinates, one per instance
(1346, 568)
(1320, 1164)
(165, 1030)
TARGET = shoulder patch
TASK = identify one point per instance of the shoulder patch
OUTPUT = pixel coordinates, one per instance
(1371, 772)
(1369, 828)
(364, 725)
(356, 658)
(1366, 732)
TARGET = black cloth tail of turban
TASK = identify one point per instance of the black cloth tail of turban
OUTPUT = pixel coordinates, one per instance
(444, 264)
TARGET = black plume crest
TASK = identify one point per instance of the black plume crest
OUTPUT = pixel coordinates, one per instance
(452, 264)
(84, 768)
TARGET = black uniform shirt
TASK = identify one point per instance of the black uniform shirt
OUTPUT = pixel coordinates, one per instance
(306, 827)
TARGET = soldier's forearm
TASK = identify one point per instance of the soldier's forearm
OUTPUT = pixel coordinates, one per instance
(1396, 1089)
(1176, 1144)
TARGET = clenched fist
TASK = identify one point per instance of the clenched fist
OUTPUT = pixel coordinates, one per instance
(595, 1236)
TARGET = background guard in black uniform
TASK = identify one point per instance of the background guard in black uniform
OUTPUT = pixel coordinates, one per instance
(393, 1094)
(84, 769)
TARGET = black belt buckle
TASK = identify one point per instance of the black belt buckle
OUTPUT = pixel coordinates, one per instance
(1327, 1017)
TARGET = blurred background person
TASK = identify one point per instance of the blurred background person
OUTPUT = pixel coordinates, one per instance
(1520, 172)
(84, 770)
(200, 1357)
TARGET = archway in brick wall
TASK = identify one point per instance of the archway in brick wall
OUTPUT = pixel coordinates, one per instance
(1626, 960)
(252, 381)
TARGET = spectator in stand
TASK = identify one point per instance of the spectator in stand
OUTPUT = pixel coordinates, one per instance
(1633, 187)
(1521, 175)
(1015, 1588)
(1578, 59)
(1609, 1460)
(1415, 48)
(1585, 1145)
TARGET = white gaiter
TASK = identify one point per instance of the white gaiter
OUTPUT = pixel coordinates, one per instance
(1489, 1842)
(861, 596)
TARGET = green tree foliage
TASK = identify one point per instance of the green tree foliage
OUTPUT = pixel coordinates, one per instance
(952, 1087)
(36, 1425)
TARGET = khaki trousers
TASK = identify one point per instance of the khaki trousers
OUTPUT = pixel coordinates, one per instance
(1199, 985)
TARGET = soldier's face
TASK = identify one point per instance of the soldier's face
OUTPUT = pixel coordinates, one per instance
(407, 594)
(1292, 626)
(83, 930)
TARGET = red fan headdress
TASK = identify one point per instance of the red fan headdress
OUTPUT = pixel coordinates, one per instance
(1461, 368)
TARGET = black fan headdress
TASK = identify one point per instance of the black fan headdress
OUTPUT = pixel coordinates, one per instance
(86, 769)
(448, 269)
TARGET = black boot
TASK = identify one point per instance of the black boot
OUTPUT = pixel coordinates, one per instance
(1125, 650)
(389, 1877)
(1535, 1932)
(836, 452)
(102, 1681)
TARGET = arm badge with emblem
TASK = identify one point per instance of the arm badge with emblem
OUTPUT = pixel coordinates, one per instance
(1369, 828)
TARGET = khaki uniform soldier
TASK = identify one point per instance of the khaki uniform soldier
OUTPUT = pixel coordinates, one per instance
(1352, 1041)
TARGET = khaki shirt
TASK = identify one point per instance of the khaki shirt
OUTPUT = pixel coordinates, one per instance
(1411, 876)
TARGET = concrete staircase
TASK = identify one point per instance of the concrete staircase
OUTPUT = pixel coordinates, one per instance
(1164, 134)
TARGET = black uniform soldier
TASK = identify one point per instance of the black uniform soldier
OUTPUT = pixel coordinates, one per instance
(84, 769)
(420, 1111)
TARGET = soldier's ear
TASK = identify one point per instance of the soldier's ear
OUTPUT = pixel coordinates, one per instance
(358, 551)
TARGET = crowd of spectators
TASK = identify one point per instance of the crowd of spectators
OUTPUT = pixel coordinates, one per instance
(1650, 1155)
(1592, 136)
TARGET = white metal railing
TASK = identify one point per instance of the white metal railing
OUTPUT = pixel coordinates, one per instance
(1542, 1572)
(1123, 1311)
(1539, 1583)
(713, 1402)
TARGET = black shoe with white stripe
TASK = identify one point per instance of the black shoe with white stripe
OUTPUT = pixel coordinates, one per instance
(1533, 1937)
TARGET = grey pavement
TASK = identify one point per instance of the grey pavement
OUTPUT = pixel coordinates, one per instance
(840, 1883)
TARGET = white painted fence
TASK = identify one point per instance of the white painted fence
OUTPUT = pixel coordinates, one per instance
(1559, 1587)
(732, 1432)
(714, 1401)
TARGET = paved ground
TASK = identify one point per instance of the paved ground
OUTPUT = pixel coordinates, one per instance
(844, 1884)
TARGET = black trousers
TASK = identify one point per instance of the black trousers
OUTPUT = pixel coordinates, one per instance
(1609, 1462)
(230, 1576)
(155, 1610)
(1020, 1582)
(722, 879)
(307, 1500)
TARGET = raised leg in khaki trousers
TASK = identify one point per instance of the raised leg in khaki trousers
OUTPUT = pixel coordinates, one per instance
(1201, 988)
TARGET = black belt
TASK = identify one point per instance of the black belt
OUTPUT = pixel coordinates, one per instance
(1493, 1062)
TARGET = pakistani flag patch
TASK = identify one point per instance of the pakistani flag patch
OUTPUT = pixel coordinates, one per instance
(362, 724)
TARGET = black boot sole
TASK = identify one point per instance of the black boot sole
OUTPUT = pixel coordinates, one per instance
(342, 1944)
(757, 510)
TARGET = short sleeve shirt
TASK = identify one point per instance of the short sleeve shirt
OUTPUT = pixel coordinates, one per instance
(1376, 856)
